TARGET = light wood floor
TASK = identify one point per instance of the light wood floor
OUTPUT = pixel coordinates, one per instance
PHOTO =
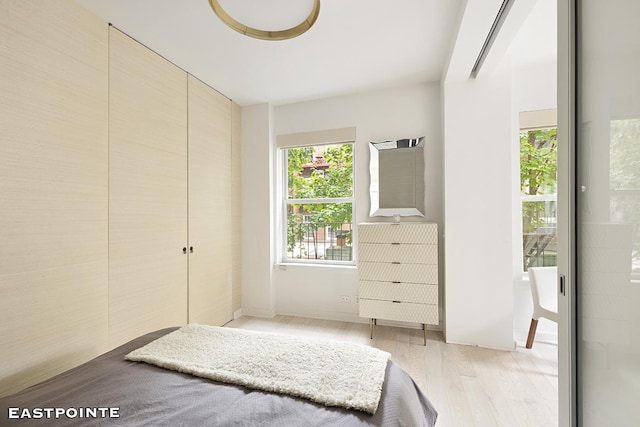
(469, 386)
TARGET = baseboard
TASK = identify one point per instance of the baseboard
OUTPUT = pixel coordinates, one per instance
(489, 347)
(355, 318)
(257, 312)
(330, 315)
(546, 337)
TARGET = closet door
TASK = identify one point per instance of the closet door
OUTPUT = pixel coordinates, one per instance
(147, 191)
(209, 205)
(53, 190)
(236, 209)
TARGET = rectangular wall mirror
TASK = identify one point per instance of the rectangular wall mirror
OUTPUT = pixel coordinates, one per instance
(397, 177)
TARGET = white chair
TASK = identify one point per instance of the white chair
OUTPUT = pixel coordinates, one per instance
(544, 290)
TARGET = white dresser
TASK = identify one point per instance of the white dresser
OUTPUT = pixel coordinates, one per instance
(398, 272)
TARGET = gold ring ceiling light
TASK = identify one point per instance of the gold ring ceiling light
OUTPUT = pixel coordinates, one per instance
(256, 33)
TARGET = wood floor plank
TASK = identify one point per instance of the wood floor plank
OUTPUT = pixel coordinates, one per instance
(457, 399)
(479, 402)
(436, 380)
(469, 386)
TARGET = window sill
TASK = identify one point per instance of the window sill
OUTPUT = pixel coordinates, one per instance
(285, 265)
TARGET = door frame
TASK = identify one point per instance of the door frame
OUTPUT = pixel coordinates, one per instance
(567, 93)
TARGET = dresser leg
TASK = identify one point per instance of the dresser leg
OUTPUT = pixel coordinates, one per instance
(371, 328)
(424, 328)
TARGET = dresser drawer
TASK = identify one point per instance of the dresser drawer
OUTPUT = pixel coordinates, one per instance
(402, 311)
(406, 292)
(417, 233)
(388, 272)
(404, 253)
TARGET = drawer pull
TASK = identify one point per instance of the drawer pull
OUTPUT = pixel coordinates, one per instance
(396, 302)
(395, 262)
(395, 243)
(396, 281)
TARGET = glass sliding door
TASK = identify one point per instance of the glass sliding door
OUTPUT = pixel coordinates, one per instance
(607, 156)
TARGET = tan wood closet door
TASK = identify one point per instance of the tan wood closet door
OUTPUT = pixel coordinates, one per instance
(147, 191)
(53, 190)
(209, 205)
(236, 258)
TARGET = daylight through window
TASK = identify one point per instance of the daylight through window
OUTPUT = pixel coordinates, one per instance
(538, 189)
(319, 203)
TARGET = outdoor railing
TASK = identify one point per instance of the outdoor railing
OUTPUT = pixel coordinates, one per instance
(539, 238)
(320, 241)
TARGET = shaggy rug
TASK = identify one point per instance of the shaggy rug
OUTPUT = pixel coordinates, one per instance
(329, 373)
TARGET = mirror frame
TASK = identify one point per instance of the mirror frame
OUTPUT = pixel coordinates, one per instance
(375, 148)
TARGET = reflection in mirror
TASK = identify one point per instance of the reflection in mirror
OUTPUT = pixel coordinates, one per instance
(397, 177)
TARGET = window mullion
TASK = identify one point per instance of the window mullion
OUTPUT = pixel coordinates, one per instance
(321, 200)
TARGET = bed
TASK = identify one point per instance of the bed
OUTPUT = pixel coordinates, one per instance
(110, 390)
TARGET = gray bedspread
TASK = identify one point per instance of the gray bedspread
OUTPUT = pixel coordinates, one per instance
(146, 395)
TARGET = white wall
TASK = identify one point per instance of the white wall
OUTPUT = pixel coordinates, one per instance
(478, 204)
(478, 175)
(535, 86)
(315, 291)
(256, 188)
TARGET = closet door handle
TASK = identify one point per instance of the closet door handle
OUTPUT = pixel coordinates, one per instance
(191, 249)
(184, 250)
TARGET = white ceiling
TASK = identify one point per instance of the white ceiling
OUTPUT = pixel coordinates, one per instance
(355, 45)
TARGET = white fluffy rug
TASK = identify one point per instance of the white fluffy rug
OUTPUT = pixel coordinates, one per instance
(330, 373)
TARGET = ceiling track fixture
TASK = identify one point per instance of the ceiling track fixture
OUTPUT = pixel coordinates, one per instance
(256, 33)
(491, 37)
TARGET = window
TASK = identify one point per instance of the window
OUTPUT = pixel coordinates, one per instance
(538, 189)
(318, 203)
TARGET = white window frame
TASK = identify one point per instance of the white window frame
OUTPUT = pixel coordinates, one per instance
(314, 139)
(534, 120)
